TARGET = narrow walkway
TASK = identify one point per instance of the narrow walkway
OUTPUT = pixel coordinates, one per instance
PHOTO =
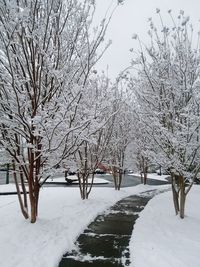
(105, 242)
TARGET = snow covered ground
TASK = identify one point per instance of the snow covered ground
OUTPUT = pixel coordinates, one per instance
(7, 188)
(12, 188)
(42, 244)
(160, 239)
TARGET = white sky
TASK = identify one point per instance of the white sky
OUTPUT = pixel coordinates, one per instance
(132, 18)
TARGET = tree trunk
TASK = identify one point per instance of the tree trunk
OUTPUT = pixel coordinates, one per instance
(175, 195)
(23, 208)
(33, 210)
(114, 174)
(182, 198)
(145, 169)
(120, 174)
(37, 191)
(117, 177)
(7, 173)
(141, 177)
(145, 178)
(23, 189)
(91, 185)
(80, 185)
(34, 191)
(83, 184)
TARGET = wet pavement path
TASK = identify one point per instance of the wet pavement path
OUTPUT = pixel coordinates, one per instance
(105, 242)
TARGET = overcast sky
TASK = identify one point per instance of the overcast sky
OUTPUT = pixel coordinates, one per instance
(131, 18)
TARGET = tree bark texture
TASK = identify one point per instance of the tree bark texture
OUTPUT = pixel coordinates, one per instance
(179, 194)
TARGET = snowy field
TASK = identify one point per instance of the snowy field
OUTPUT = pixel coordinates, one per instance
(12, 187)
(164, 239)
(160, 239)
(62, 217)
(7, 188)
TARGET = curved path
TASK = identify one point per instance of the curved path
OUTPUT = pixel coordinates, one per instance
(105, 241)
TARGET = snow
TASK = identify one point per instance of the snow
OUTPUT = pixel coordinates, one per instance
(7, 188)
(41, 244)
(165, 239)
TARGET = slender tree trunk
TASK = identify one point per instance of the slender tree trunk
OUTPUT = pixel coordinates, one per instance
(117, 177)
(33, 210)
(32, 199)
(22, 206)
(182, 198)
(83, 184)
(37, 191)
(23, 189)
(119, 180)
(145, 177)
(175, 195)
(91, 185)
(37, 175)
(7, 173)
(80, 184)
(145, 169)
(114, 174)
(160, 171)
(140, 168)
(32, 196)
(179, 195)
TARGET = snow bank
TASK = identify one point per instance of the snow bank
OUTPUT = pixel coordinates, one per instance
(162, 239)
